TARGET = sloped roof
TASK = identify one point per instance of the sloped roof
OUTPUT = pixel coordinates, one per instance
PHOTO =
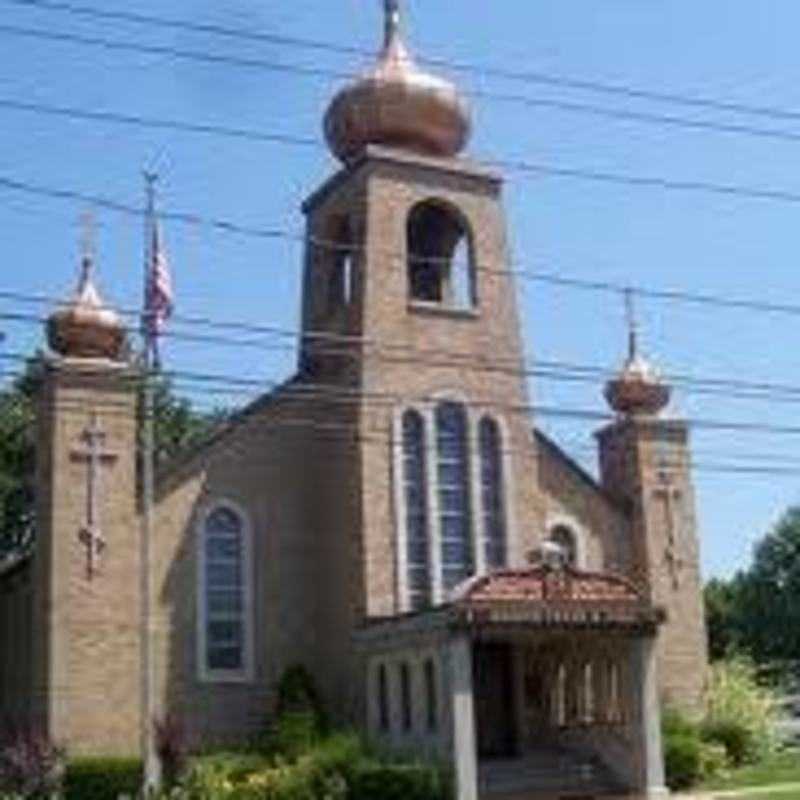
(543, 584)
(547, 597)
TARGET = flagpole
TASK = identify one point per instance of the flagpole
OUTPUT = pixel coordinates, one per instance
(152, 767)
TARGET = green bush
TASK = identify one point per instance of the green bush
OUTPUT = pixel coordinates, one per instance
(297, 692)
(682, 760)
(398, 782)
(741, 713)
(102, 778)
(296, 732)
(688, 758)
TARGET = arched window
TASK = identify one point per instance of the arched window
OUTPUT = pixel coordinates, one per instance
(224, 596)
(453, 490)
(494, 522)
(440, 268)
(341, 264)
(565, 538)
(416, 509)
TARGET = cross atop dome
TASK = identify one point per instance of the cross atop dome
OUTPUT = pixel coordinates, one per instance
(391, 10)
(638, 388)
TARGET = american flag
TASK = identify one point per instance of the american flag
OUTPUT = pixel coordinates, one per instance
(158, 300)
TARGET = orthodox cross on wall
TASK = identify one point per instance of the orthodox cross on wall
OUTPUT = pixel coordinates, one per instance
(671, 499)
(95, 455)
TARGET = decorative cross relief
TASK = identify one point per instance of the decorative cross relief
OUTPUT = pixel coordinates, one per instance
(95, 455)
(671, 498)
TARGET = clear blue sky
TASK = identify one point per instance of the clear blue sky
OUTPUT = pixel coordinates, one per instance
(746, 52)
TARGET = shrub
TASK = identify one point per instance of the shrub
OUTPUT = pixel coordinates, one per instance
(31, 765)
(688, 759)
(298, 693)
(171, 747)
(296, 732)
(682, 762)
(741, 713)
(398, 782)
(102, 778)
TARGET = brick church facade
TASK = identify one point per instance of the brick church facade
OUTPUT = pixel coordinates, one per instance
(390, 517)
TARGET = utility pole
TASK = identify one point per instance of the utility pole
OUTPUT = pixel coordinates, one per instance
(152, 766)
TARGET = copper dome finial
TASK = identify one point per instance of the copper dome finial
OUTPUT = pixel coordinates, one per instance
(398, 105)
(86, 327)
(638, 388)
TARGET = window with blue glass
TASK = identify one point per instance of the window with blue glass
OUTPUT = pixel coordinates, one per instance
(452, 453)
(417, 533)
(224, 601)
(494, 519)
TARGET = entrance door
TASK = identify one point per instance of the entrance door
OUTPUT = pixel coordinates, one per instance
(493, 691)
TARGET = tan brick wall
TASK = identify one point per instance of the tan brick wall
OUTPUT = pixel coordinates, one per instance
(571, 498)
(666, 559)
(87, 631)
(266, 464)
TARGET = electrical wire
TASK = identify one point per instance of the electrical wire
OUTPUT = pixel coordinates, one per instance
(525, 76)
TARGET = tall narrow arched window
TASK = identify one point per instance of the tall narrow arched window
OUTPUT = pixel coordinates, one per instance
(224, 635)
(416, 509)
(340, 262)
(494, 518)
(453, 490)
(440, 258)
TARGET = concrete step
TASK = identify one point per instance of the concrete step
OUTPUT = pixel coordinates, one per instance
(552, 773)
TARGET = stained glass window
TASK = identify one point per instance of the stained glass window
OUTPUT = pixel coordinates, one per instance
(494, 521)
(417, 532)
(224, 586)
(453, 491)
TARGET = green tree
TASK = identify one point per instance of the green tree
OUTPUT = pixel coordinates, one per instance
(758, 610)
(16, 465)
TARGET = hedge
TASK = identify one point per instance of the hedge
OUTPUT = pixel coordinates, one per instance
(102, 778)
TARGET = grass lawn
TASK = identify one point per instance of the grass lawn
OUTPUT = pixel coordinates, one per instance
(788, 794)
(783, 767)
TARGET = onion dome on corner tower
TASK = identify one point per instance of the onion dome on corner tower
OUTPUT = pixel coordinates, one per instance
(639, 387)
(85, 327)
(397, 104)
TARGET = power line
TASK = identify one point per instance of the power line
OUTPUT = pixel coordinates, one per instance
(734, 388)
(525, 76)
(227, 226)
(352, 433)
(625, 114)
(330, 392)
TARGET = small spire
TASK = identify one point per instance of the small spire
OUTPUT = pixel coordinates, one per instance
(88, 248)
(633, 327)
(392, 22)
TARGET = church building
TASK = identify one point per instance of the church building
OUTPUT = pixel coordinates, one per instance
(391, 517)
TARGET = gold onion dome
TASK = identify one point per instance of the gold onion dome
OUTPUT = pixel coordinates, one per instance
(397, 104)
(85, 327)
(639, 387)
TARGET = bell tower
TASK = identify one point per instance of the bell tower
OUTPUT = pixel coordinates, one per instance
(409, 305)
(86, 563)
(645, 461)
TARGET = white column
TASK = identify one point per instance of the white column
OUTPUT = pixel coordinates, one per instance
(464, 748)
(647, 720)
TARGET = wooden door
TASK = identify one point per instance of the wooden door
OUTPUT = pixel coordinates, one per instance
(493, 692)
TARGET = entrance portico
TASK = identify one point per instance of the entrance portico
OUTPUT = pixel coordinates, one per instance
(534, 683)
